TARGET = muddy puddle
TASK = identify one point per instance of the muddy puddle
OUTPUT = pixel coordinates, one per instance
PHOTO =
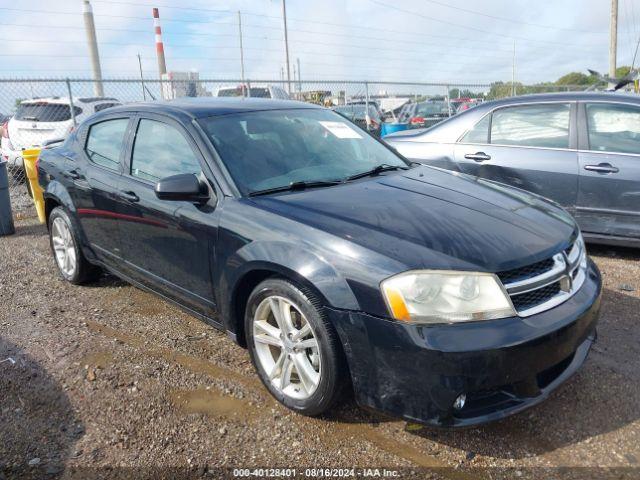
(100, 359)
(211, 402)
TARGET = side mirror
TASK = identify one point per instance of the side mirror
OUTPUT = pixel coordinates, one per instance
(185, 187)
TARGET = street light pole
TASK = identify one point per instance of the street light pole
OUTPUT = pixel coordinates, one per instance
(241, 50)
(286, 44)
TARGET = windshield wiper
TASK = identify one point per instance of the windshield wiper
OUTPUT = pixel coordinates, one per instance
(376, 171)
(302, 185)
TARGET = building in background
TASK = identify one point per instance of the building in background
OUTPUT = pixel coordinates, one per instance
(182, 84)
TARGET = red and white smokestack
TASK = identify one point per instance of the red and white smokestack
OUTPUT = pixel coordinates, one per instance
(162, 66)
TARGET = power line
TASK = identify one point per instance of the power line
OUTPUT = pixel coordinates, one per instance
(511, 20)
(458, 25)
(275, 50)
(200, 34)
(231, 23)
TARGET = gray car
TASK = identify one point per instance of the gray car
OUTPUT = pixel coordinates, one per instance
(580, 149)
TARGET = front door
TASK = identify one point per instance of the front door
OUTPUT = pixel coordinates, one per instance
(167, 245)
(609, 192)
(527, 146)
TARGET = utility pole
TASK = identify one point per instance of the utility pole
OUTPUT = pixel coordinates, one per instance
(286, 44)
(299, 77)
(513, 71)
(241, 50)
(144, 93)
(90, 29)
(613, 39)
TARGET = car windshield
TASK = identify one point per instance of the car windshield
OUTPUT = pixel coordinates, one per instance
(431, 108)
(276, 148)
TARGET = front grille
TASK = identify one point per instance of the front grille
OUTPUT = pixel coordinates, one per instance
(545, 284)
(518, 274)
(534, 298)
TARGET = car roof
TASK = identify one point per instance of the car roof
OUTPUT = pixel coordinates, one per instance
(565, 96)
(212, 106)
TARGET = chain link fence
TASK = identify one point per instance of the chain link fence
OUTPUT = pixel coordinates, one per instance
(36, 111)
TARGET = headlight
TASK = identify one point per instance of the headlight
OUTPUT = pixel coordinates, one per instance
(440, 296)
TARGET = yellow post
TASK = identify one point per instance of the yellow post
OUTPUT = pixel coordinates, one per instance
(30, 157)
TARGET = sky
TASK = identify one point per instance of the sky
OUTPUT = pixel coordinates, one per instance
(452, 41)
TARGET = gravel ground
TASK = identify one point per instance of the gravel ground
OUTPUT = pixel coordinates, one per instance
(108, 381)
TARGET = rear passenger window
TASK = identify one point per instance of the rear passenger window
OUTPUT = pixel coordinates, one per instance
(532, 126)
(161, 151)
(613, 128)
(479, 133)
(105, 141)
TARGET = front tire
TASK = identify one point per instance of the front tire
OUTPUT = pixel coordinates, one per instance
(64, 241)
(294, 348)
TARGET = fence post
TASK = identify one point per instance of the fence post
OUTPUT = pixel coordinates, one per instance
(73, 110)
(448, 100)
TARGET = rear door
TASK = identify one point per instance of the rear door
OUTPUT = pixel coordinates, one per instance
(167, 245)
(93, 183)
(609, 156)
(531, 146)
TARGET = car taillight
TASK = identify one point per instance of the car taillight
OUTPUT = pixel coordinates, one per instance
(416, 120)
(5, 130)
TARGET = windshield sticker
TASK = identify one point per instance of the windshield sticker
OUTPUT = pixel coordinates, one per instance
(340, 129)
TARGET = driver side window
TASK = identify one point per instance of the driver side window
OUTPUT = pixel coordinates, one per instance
(160, 151)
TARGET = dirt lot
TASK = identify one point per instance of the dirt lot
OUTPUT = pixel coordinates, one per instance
(109, 381)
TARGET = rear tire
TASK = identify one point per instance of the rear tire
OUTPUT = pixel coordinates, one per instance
(64, 241)
(302, 364)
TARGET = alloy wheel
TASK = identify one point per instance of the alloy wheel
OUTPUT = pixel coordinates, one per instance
(64, 246)
(286, 347)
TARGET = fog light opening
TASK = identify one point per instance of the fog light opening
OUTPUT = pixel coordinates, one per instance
(460, 401)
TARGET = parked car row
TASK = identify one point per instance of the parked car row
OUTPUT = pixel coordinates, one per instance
(581, 150)
(433, 296)
(39, 120)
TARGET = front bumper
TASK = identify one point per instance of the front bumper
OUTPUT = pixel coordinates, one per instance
(502, 366)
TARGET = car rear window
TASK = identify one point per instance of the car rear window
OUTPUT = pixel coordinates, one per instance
(104, 106)
(45, 112)
(431, 108)
(256, 92)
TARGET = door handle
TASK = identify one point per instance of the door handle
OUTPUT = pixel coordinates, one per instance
(478, 156)
(73, 174)
(130, 196)
(602, 168)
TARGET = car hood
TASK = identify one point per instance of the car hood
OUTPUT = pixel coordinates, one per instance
(431, 218)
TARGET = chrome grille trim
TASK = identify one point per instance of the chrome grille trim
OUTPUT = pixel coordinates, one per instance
(569, 270)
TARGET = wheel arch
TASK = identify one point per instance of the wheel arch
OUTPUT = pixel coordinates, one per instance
(299, 266)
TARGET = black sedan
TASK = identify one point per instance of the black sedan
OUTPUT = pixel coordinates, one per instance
(580, 149)
(433, 296)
